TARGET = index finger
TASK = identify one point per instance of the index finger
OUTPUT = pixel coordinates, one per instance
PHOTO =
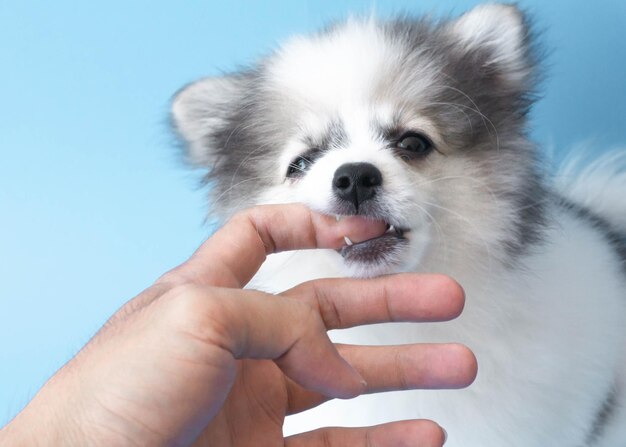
(235, 252)
(347, 302)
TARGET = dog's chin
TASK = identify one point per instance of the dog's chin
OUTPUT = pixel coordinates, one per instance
(370, 270)
(382, 255)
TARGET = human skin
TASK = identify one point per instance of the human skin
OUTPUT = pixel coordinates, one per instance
(196, 360)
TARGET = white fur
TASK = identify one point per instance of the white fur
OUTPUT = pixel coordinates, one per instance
(353, 61)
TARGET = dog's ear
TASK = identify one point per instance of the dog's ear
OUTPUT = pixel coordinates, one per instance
(202, 108)
(499, 33)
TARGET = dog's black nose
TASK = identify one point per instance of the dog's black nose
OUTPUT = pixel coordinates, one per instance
(357, 182)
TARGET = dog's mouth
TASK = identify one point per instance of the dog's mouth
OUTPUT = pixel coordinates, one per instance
(379, 250)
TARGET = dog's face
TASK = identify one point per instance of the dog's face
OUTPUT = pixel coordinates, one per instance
(416, 123)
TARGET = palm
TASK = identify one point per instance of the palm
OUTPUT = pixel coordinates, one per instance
(254, 411)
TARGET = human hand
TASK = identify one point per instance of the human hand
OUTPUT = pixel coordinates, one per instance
(195, 360)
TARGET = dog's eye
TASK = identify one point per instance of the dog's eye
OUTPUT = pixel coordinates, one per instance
(415, 143)
(302, 163)
(298, 166)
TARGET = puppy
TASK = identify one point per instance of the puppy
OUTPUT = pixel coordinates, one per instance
(423, 124)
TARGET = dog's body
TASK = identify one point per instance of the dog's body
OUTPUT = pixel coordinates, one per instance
(423, 125)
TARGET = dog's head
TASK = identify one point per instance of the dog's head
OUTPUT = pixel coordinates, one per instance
(417, 123)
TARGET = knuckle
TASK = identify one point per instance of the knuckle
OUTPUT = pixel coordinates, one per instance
(250, 215)
(196, 311)
(241, 215)
(312, 315)
(400, 367)
(183, 295)
(169, 278)
(309, 322)
(328, 310)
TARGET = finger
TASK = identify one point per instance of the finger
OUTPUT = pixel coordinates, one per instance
(417, 433)
(392, 368)
(234, 253)
(346, 303)
(254, 325)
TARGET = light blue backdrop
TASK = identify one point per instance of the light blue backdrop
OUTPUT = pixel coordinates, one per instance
(94, 203)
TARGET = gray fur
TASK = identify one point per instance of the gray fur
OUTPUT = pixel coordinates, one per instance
(603, 418)
(615, 238)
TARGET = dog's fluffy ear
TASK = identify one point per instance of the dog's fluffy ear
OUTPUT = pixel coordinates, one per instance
(200, 109)
(501, 33)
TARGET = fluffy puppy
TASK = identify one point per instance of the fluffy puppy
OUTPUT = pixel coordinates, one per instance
(423, 124)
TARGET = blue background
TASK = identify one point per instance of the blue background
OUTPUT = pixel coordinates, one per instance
(94, 201)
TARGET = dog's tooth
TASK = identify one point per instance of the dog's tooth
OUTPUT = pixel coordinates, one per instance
(391, 229)
(337, 217)
(347, 239)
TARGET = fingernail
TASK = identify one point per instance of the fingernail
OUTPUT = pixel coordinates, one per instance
(445, 435)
